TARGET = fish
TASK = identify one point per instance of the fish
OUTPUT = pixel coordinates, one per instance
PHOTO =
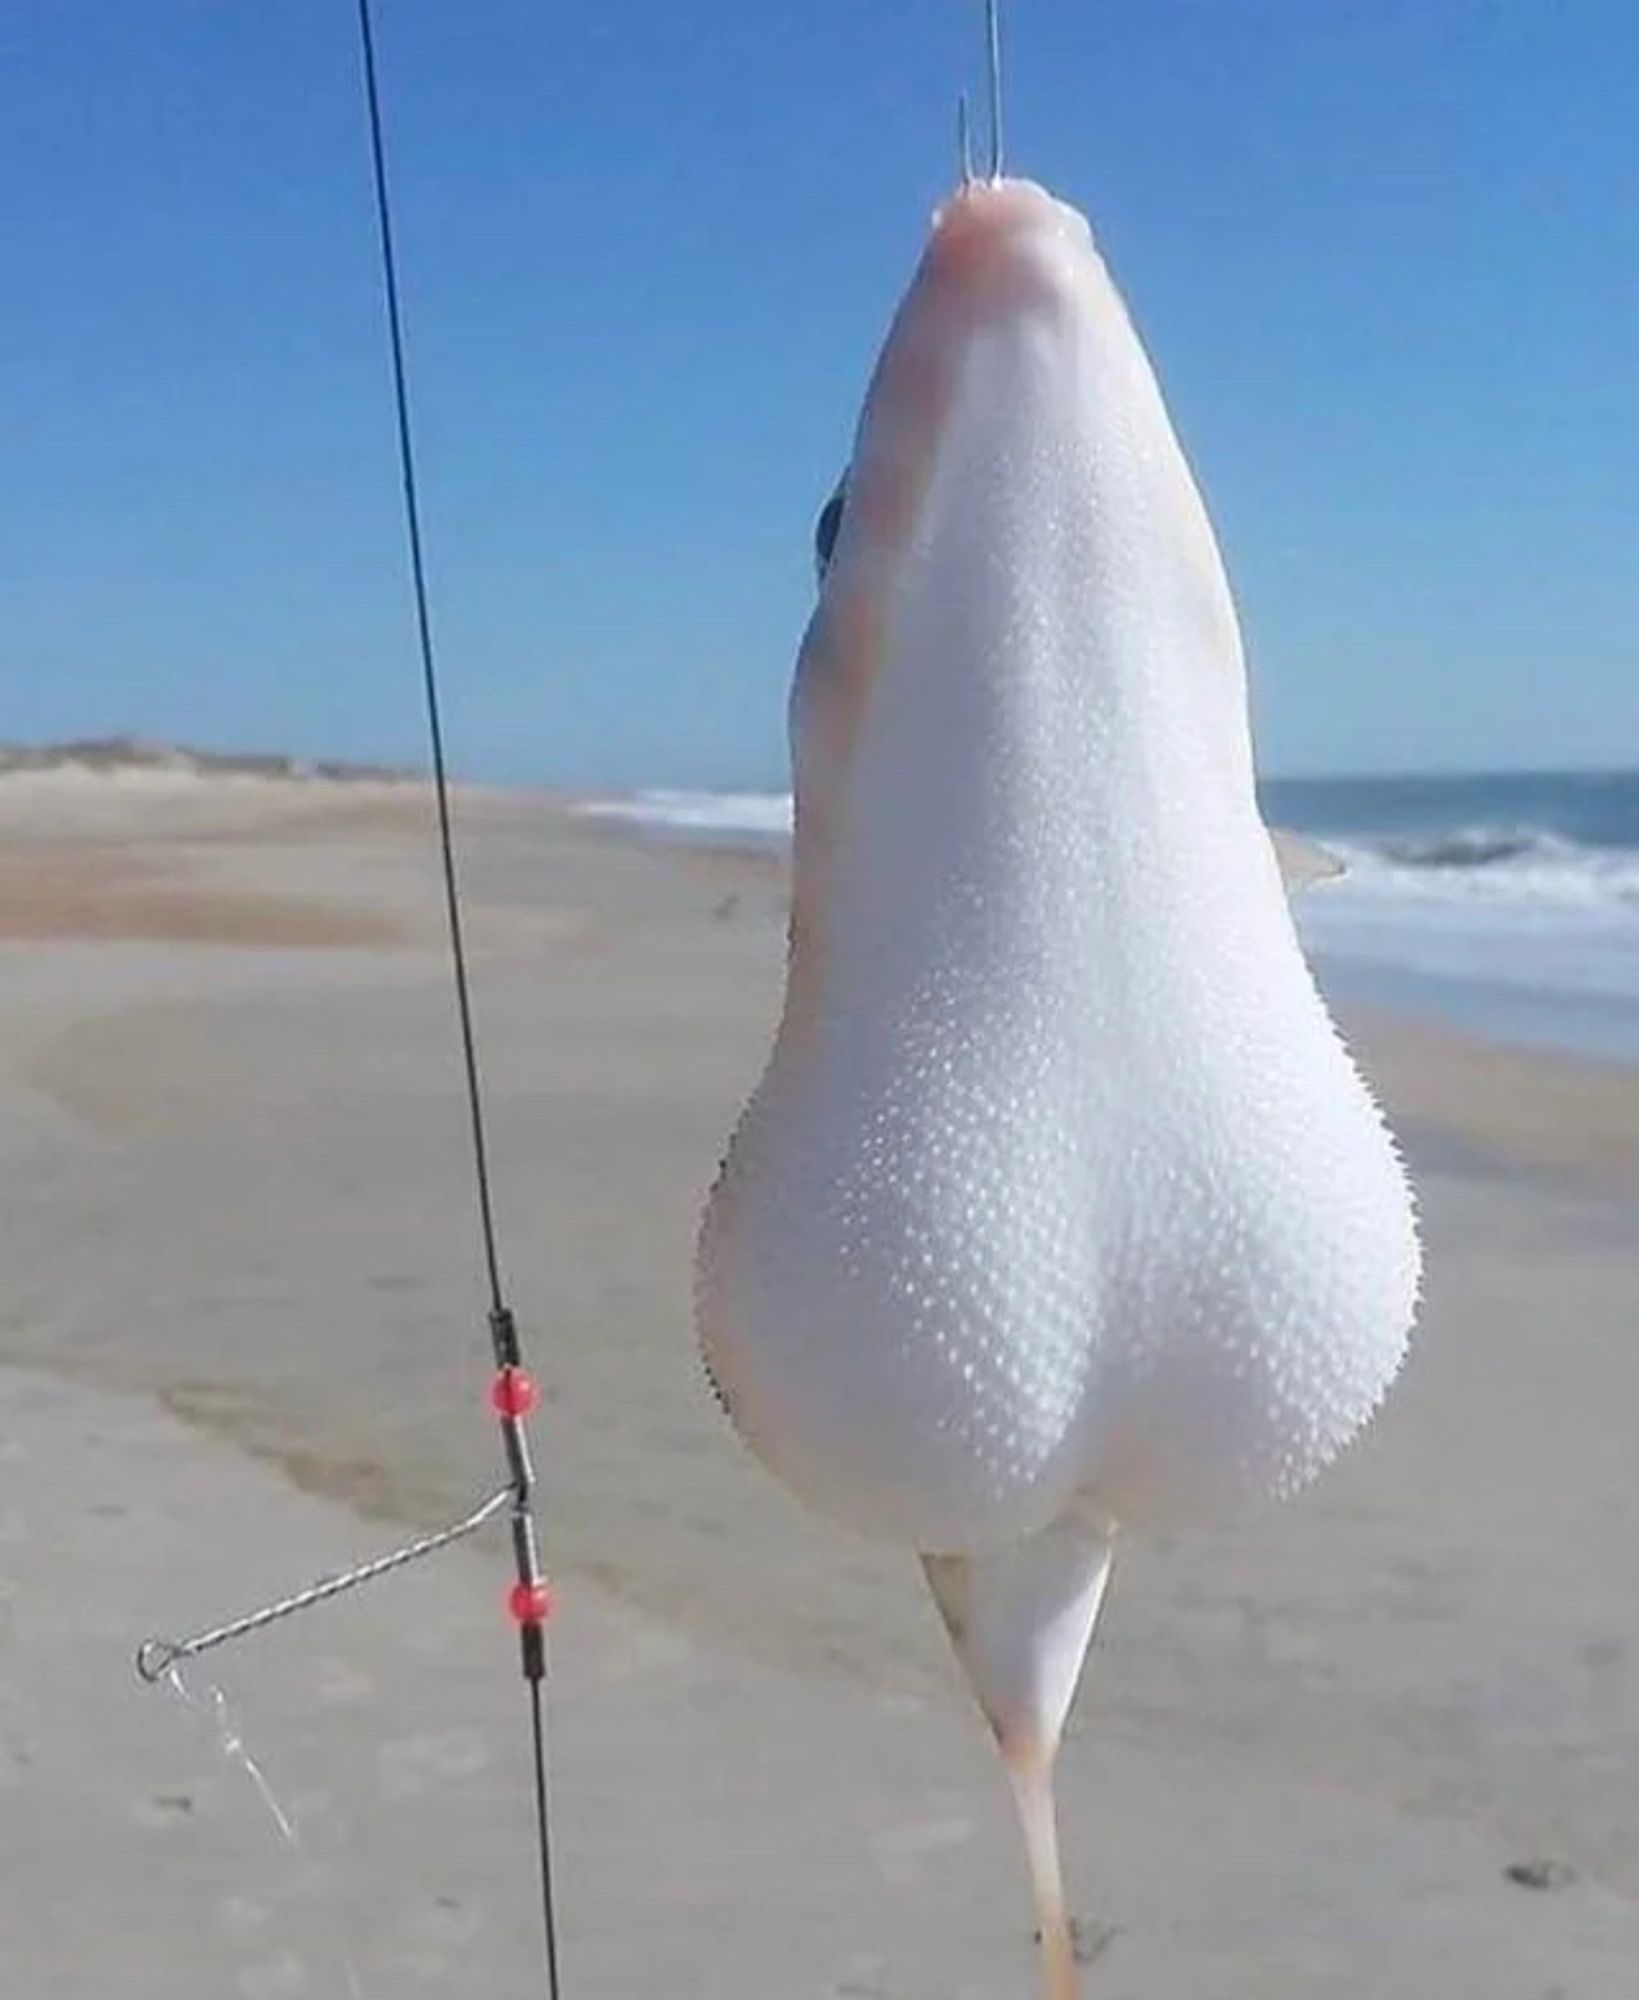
(1061, 1214)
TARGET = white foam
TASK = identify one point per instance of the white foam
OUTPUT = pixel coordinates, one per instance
(1498, 866)
(733, 817)
(1522, 910)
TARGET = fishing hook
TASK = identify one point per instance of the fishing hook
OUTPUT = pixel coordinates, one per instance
(964, 123)
(993, 61)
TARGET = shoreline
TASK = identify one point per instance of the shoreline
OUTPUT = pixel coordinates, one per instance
(1503, 1013)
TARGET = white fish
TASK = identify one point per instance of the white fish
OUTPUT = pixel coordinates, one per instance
(1061, 1209)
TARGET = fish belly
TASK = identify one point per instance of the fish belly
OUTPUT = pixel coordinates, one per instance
(962, 1270)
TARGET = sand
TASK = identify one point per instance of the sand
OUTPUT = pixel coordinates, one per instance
(241, 1343)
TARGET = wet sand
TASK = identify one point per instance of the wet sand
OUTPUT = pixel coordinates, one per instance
(241, 1342)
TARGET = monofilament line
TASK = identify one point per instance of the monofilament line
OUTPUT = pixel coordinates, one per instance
(429, 668)
(502, 1327)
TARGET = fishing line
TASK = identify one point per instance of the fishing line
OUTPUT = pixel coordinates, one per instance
(513, 1395)
(212, 1707)
(429, 668)
(993, 98)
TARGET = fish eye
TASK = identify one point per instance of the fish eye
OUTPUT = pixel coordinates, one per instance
(827, 528)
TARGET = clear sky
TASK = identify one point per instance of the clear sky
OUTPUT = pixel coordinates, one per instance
(1385, 254)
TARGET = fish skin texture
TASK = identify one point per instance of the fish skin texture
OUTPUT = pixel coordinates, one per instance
(1061, 1192)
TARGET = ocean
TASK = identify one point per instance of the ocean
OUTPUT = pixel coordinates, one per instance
(1506, 903)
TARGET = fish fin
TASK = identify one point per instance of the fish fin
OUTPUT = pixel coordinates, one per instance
(1304, 863)
(1021, 1619)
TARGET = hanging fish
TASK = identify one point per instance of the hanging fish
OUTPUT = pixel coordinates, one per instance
(1061, 1211)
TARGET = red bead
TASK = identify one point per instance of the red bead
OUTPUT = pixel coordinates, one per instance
(531, 1603)
(513, 1394)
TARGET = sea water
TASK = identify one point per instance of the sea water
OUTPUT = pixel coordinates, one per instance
(1504, 902)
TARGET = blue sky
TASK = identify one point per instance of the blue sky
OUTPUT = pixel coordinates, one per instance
(1385, 254)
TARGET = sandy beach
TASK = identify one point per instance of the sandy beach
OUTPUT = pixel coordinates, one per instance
(1383, 1743)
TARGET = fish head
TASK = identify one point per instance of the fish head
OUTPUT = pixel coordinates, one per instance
(1019, 582)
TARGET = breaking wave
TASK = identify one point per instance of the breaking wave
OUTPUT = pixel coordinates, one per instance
(728, 819)
(1491, 864)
